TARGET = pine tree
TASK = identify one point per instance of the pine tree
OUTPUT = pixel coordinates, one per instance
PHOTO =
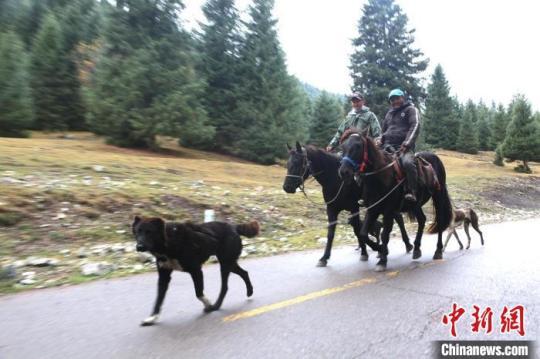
(384, 56)
(79, 21)
(326, 116)
(440, 125)
(499, 158)
(48, 75)
(522, 140)
(500, 122)
(145, 83)
(454, 124)
(483, 124)
(16, 112)
(272, 105)
(468, 131)
(11, 13)
(484, 134)
(219, 51)
(31, 21)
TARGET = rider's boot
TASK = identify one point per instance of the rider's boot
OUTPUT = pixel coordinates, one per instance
(412, 177)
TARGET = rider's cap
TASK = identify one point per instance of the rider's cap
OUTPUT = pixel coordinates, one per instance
(356, 95)
(396, 93)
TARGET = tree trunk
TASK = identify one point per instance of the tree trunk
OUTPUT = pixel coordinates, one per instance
(526, 167)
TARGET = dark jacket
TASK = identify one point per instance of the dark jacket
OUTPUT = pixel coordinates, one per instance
(401, 126)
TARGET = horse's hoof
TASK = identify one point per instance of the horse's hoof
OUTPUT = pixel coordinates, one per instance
(210, 308)
(468, 247)
(380, 267)
(409, 248)
(461, 248)
(322, 263)
(437, 255)
(151, 320)
(417, 253)
(364, 257)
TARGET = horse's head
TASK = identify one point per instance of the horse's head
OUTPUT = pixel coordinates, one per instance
(354, 156)
(297, 169)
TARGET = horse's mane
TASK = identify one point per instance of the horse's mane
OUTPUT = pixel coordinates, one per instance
(378, 156)
(322, 159)
(348, 133)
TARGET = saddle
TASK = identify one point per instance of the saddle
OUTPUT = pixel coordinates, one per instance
(426, 174)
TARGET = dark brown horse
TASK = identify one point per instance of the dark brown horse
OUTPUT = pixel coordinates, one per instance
(338, 196)
(383, 189)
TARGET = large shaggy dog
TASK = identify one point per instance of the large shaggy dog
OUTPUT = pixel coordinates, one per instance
(185, 247)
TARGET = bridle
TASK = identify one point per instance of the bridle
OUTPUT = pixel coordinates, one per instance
(305, 175)
(360, 167)
(306, 164)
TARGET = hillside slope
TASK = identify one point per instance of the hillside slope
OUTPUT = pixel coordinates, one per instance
(72, 201)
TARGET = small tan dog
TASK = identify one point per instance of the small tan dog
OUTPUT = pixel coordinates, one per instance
(464, 216)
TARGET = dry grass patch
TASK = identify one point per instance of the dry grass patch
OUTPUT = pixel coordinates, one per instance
(76, 191)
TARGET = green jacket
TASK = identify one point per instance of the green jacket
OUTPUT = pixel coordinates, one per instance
(363, 120)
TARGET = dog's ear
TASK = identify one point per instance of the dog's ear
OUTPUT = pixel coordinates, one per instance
(160, 225)
(136, 221)
(158, 222)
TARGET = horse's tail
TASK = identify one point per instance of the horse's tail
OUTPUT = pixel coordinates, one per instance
(441, 199)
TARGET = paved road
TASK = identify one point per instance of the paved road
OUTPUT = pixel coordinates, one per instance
(345, 310)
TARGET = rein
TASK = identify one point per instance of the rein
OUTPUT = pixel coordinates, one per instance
(371, 206)
(303, 177)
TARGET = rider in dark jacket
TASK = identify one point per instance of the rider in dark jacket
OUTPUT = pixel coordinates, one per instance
(400, 130)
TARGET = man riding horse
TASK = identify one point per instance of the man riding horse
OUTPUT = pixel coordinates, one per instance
(360, 117)
(400, 130)
(382, 177)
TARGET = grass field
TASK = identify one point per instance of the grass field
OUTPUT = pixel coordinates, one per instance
(60, 196)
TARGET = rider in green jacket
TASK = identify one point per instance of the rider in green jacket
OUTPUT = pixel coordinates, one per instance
(360, 118)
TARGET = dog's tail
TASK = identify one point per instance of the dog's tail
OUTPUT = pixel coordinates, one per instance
(249, 230)
(474, 219)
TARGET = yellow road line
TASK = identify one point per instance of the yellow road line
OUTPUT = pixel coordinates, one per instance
(311, 296)
(300, 299)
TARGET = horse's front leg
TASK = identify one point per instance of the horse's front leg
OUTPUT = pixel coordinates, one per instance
(404, 236)
(357, 227)
(370, 219)
(332, 219)
(388, 223)
(421, 219)
(439, 251)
